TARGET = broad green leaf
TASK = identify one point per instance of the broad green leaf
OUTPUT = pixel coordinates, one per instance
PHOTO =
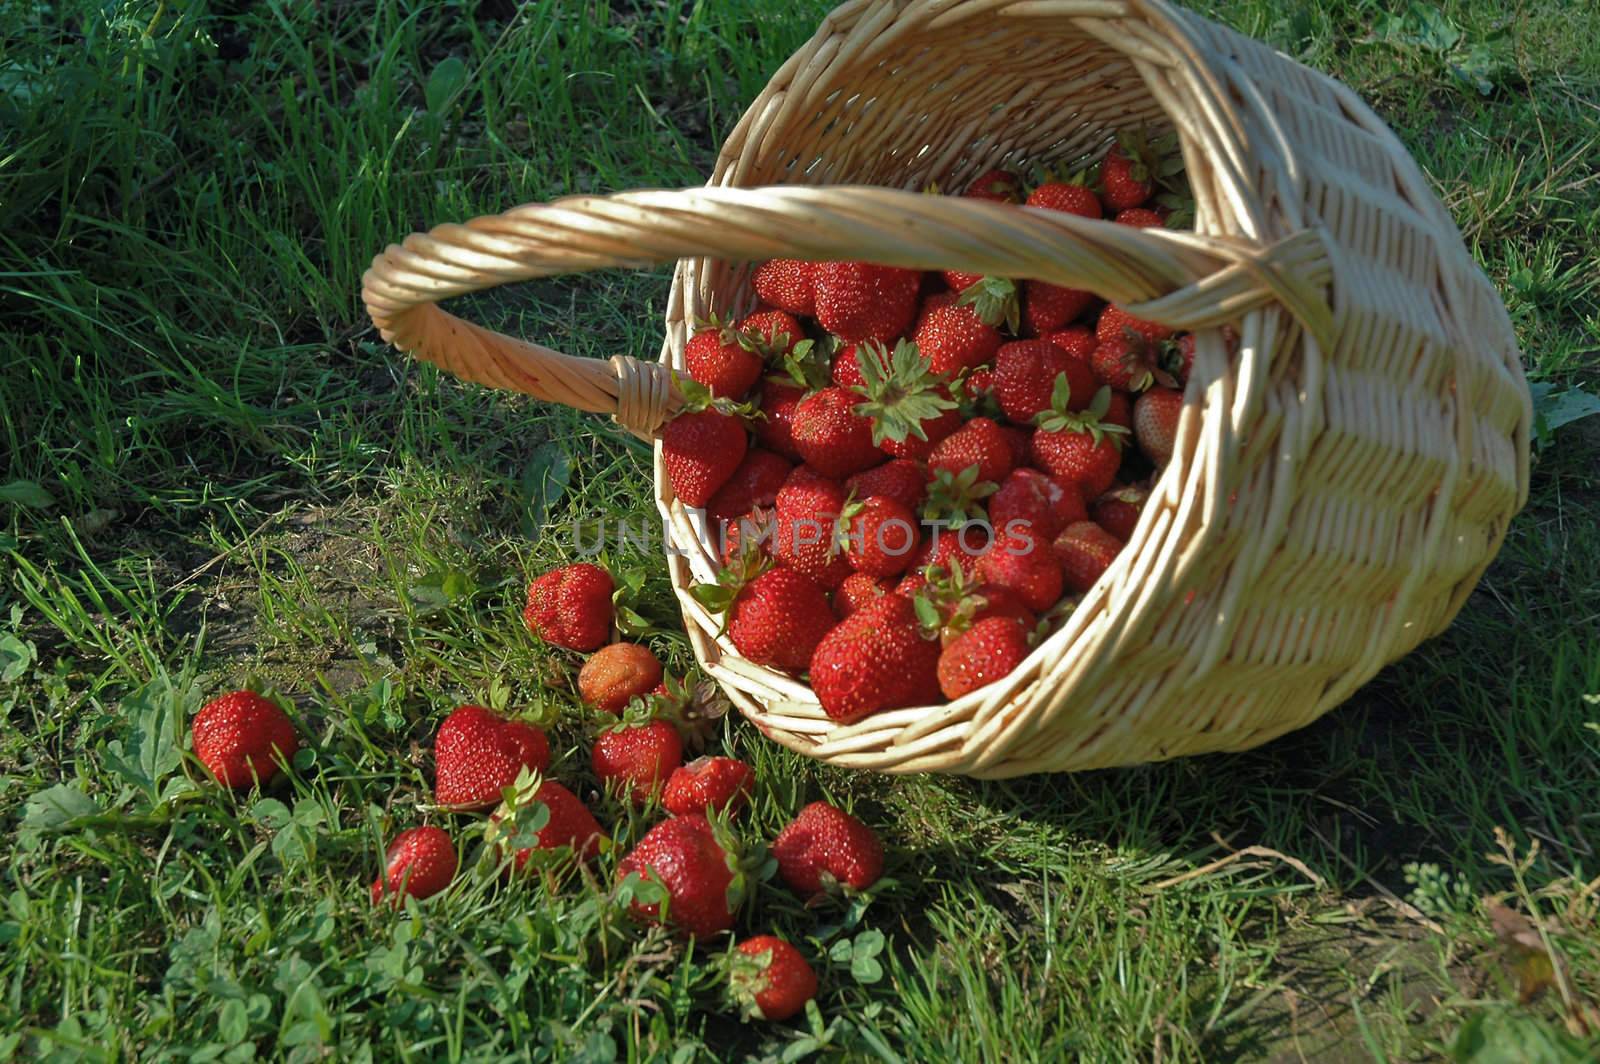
(447, 79)
(26, 493)
(544, 481)
(1556, 409)
(15, 658)
(55, 808)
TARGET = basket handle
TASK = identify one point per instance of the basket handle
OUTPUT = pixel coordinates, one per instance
(1182, 279)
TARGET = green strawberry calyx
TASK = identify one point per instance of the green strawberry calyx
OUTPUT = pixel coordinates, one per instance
(994, 301)
(955, 497)
(901, 390)
(697, 397)
(1059, 419)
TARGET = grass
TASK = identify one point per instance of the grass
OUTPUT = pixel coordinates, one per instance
(214, 471)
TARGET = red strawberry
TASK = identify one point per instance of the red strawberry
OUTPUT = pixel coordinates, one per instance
(992, 600)
(1026, 374)
(758, 526)
(988, 651)
(882, 536)
(1129, 364)
(776, 332)
(1085, 551)
(1155, 423)
(1118, 510)
(979, 442)
(1119, 412)
(1002, 186)
(1021, 561)
(980, 382)
(907, 402)
(701, 449)
(1047, 307)
(1185, 364)
(875, 659)
(724, 359)
(636, 759)
(1040, 502)
(778, 619)
(1124, 183)
(1067, 196)
(952, 337)
(770, 979)
(845, 371)
(901, 480)
(420, 862)
(1080, 447)
(755, 483)
(571, 606)
(684, 855)
(862, 301)
(570, 823)
(787, 284)
(1117, 324)
(959, 280)
(824, 846)
(478, 753)
(832, 438)
(944, 549)
(241, 737)
(616, 674)
(708, 784)
(1140, 218)
(776, 429)
(1021, 442)
(804, 537)
(858, 590)
(936, 428)
(1077, 341)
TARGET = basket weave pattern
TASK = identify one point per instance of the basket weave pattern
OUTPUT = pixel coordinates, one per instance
(1338, 484)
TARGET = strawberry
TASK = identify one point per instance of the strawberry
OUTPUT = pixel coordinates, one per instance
(1129, 364)
(1155, 423)
(1001, 186)
(804, 534)
(478, 753)
(701, 449)
(752, 531)
(979, 383)
(636, 759)
(1185, 358)
(916, 448)
(775, 429)
(571, 606)
(569, 823)
(882, 535)
(904, 398)
(1118, 510)
(952, 337)
(1022, 562)
(979, 442)
(1040, 502)
(1140, 218)
(1020, 440)
(875, 659)
(683, 853)
(953, 601)
(1115, 323)
(787, 284)
(708, 784)
(724, 359)
(616, 674)
(845, 370)
(1025, 376)
(862, 301)
(774, 333)
(241, 738)
(900, 479)
(1085, 551)
(1119, 412)
(956, 499)
(944, 550)
(832, 438)
(778, 619)
(986, 652)
(858, 590)
(1077, 341)
(1070, 197)
(1047, 307)
(770, 980)
(824, 847)
(755, 483)
(959, 280)
(420, 862)
(1080, 447)
(1124, 182)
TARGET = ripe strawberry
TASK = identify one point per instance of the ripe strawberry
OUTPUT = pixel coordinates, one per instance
(1155, 423)
(1026, 374)
(1124, 183)
(1022, 561)
(684, 855)
(944, 550)
(1185, 360)
(1077, 341)
(959, 280)
(636, 759)
(1080, 447)
(988, 651)
(477, 754)
(882, 535)
(875, 659)
(701, 449)
(616, 674)
(845, 370)
(824, 847)
(775, 430)
(770, 980)
(787, 284)
(858, 590)
(571, 606)
(1129, 364)
(862, 301)
(1002, 186)
(952, 337)
(724, 359)
(1041, 503)
(1020, 441)
(708, 784)
(241, 737)
(979, 383)
(778, 619)
(1118, 510)
(1117, 324)
(832, 438)
(1119, 412)
(1047, 307)
(900, 479)
(954, 599)
(979, 442)
(569, 824)
(775, 333)
(907, 402)
(1140, 218)
(1085, 551)
(1068, 196)
(420, 862)
(755, 483)
(804, 535)
(988, 600)
(936, 429)
(752, 531)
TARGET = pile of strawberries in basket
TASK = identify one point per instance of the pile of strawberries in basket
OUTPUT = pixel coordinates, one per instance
(917, 475)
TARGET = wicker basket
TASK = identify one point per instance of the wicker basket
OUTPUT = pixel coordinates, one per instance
(1339, 484)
